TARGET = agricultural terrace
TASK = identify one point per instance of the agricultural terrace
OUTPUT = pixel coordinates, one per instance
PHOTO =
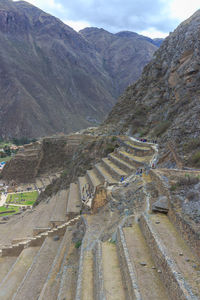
(26, 198)
(8, 210)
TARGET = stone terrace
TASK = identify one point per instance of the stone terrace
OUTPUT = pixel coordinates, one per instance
(121, 257)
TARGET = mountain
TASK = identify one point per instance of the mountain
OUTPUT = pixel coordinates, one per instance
(124, 54)
(51, 78)
(165, 102)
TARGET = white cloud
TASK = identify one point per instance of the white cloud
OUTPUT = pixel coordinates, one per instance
(183, 9)
(153, 33)
(48, 5)
(153, 18)
(77, 25)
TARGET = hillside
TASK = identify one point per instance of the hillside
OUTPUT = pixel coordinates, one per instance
(124, 54)
(52, 78)
(164, 103)
(111, 222)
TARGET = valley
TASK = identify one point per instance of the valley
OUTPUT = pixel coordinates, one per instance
(104, 204)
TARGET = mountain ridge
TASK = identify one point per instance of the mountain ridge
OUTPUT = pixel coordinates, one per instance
(52, 79)
(124, 54)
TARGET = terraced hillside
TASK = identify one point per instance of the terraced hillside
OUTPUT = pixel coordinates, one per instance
(117, 233)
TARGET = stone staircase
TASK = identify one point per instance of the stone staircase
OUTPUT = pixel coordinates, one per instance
(147, 259)
(121, 163)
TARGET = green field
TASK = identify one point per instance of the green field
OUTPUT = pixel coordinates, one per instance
(27, 198)
(4, 143)
(7, 158)
(9, 208)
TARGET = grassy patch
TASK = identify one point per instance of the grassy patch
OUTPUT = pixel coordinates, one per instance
(27, 198)
(4, 144)
(9, 210)
(7, 158)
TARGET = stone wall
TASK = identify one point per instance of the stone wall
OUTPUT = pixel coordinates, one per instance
(175, 284)
(100, 199)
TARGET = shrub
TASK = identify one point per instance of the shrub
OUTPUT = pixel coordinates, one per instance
(191, 144)
(173, 187)
(114, 138)
(195, 159)
(161, 128)
(143, 132)
(78, 244)
(65, 173)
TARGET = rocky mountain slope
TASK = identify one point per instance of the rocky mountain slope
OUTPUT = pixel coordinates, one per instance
(52, 79)
(124, 54)
(165, 102)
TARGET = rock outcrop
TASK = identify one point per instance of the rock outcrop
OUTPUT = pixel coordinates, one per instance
(164, 102)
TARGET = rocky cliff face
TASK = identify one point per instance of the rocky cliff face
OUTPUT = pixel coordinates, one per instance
(52, 79)
(165, 102)
(124, 54)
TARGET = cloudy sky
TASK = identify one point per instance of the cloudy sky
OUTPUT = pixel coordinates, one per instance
(154, 18)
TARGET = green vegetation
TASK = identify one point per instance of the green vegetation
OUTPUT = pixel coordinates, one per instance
(191, 144)
(23, 141)
(161, 128)
(173, 187)
(143, 132)
(113, 139)
(7, 158)
(195, 159)
(27, 198)
(10, 210)
(185, 181)
(78, 244)
(112, 241)
(65, 173)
